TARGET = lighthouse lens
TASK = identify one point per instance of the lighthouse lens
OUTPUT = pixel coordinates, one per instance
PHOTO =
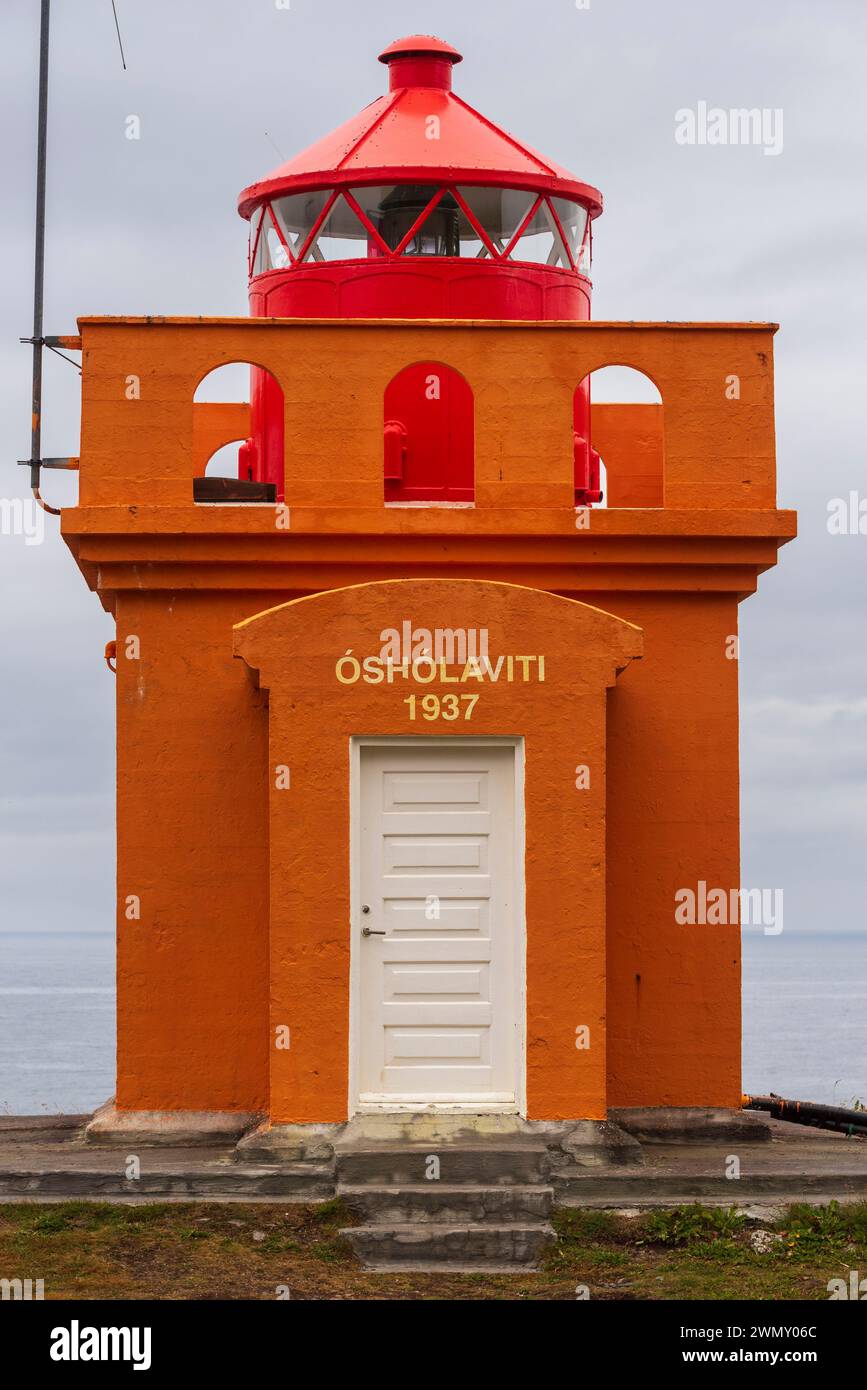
(439, 234)
(395, 210)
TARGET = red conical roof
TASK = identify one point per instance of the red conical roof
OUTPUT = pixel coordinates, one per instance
(389, 141)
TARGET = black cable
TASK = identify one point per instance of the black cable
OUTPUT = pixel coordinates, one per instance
(119, 39)
(64, 356)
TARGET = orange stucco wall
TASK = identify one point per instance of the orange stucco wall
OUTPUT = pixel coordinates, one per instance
(197, 988)
(192, 848)
(674, 991)
(216, 423)
(630, 441)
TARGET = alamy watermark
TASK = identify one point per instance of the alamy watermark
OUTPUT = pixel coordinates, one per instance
(22, 516)
(21, 1290)
(855, 1290)
(453, 645)
(77, 1343)
(847, 516)
(716, 125)
(721, 907)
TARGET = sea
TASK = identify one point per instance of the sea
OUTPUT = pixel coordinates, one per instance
(805, 1019)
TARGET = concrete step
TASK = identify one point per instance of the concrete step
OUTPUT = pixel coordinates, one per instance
(487, 1164)
(40, 1129)
(230, 1182)
(442, 1203)
(643, 1187)
(451, 1246)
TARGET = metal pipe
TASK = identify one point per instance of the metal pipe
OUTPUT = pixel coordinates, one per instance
(39, 265)
(46, 506)
(805, 1112)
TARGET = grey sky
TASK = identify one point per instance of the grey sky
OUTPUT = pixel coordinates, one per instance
(688, 233)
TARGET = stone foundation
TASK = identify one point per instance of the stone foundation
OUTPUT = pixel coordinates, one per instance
(179, 1128)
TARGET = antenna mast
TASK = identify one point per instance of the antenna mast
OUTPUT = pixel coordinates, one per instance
(39, 263)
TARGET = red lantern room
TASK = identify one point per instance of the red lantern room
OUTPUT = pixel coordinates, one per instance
(419, 207)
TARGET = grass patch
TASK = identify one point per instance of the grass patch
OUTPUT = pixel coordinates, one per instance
(710, 1229)
(210, 1250)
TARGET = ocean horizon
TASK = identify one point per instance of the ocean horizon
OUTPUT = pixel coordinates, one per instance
(805, 1019)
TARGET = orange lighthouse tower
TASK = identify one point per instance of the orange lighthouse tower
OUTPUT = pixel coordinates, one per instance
(419, 746)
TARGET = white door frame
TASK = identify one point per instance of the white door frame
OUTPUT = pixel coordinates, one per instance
(356, 743)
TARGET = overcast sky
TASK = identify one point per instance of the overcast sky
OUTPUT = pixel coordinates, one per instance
(701, 232)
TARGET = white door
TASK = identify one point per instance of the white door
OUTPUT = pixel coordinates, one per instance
(437, 926)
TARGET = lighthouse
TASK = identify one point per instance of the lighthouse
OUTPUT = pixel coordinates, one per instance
(419, 207)
(420, 749)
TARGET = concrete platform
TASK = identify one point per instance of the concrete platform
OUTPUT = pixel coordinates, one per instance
(54, 1158)
(795, 1165)
(46, 1158)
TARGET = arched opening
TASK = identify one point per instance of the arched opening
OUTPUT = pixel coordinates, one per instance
(618, 436)
(429, 437)
(224, 463)
(238, 435)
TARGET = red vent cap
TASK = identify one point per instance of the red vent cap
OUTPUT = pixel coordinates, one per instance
(420, 46)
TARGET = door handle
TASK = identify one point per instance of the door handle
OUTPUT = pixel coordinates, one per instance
(368, 931)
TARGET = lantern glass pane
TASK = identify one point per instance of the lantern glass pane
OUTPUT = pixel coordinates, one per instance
(278, 256)
(298, 212)
(271, 254)
(540, 242)
(262, 259)
(255, 222)
(499, 210)
(342, 236)
(393, 208)
(440, 233)
(573, 220)
(294, 240)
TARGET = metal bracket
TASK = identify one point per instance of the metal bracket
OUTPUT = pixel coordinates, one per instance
(72, 462)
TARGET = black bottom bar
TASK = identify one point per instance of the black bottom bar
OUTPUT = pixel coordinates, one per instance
(291, 1337)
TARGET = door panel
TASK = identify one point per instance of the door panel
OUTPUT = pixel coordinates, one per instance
(437, 1016)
